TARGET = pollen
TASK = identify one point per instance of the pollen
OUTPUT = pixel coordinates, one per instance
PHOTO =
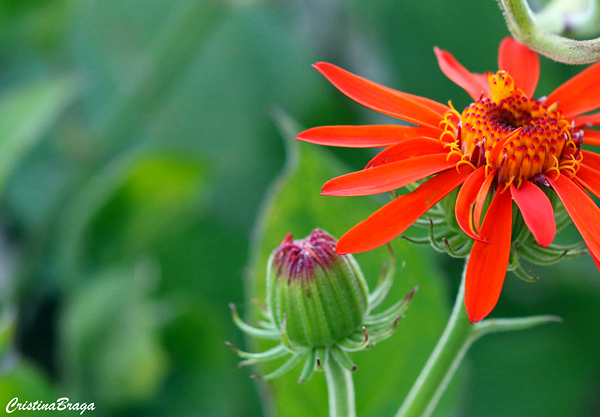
(515, 137)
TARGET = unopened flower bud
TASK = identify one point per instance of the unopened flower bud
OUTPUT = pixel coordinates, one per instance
(319, 308)
(322, 296)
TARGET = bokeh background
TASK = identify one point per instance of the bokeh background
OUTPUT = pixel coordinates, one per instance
(138, 140)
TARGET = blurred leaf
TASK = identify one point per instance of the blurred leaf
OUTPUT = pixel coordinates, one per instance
(25, 381)
(156, 194)
(7, 331)
(294, 205)
(203, 373)
(137, 51)
(253, 60)
(110, 338)
(33, 23)
(26, 114)
(127, 205)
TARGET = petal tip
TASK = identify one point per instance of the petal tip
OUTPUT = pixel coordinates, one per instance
(342, 248)
(473, 318)
(483, 240)
(476, 313)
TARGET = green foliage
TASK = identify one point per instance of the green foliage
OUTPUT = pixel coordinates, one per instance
(25, 116)
(24, 380)
(113, 355)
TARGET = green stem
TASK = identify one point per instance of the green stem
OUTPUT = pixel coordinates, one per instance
(524, 27)
(340, 389)
(443, 362)
(450, 350)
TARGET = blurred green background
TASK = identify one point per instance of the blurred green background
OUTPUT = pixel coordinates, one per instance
(138, 139)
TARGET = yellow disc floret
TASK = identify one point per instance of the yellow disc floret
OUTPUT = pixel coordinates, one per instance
(512, 135)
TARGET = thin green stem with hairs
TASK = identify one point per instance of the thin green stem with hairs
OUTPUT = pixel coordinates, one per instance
(340, 389)
(457, 338)
(524, 26)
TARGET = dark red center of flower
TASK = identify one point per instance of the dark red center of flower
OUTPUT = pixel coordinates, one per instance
(515, 137)
(298, 259)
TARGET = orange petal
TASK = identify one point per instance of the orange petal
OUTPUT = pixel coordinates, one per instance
(409, 148)
(379, 98)
(580, 94)
(591, 159)
(387, 177)
(596, 261)
(589, 178)
(587, 120)
(521, 63)
(499, 146)
(537, 211)
(487, 264)
(474, 84)
(582, 210)
(397, 215)
(370, 136)
(591, 137)
(431, 104)
(481, 198)
(465, 201)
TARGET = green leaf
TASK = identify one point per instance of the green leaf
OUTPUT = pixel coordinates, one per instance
(7, 330)
(26, 381)
(25, 116)
(114, 355)
(129, 204)
(386, 374)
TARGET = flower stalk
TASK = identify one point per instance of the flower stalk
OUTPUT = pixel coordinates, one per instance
(450, 350)
(340, 389)
(523, 25)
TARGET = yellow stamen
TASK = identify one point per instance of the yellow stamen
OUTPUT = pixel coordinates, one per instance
(502, 86)
(464, 161)
(513, 136)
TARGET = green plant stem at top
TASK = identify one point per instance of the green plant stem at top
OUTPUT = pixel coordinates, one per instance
(523, 26)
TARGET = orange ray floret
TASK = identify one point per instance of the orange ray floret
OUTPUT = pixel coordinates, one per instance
(589, 178)
(488, 261)
(409, 148)
(506, 144)
(387, 177)
(582, 210)
(592, 137)
(399, 214)
(379, 98)
(467, 196)
(537, 211)
(521, 63)
(474, 84)
(365, 136)
(580, 94)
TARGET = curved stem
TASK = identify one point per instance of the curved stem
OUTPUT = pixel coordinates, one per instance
(450, 350)
(340, 389)
(522, 24)
(443, 362)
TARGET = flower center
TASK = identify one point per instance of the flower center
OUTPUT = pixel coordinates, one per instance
(515, 137)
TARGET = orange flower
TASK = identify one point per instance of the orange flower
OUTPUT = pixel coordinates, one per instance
(505, 143)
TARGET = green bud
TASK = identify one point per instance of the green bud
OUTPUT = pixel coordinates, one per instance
(319, 308)
(315, 295)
